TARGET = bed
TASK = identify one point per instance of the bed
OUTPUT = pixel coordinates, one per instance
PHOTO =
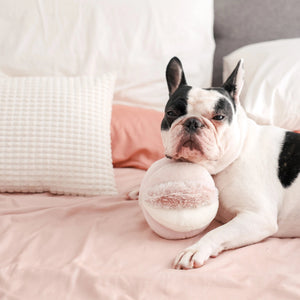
(72, 240)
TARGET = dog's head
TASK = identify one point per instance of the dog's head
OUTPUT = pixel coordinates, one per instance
(201, 125)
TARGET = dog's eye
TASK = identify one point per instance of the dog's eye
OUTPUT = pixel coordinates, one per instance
(171, 113)
(218, 117)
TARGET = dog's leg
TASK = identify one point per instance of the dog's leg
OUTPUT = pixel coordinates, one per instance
(246, 228)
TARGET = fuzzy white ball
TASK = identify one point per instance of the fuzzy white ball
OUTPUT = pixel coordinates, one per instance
(178, 199)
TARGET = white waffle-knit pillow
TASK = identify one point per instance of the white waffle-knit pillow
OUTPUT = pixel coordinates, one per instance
(55, 135)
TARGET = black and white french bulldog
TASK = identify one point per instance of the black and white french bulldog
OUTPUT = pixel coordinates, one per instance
(255, 168)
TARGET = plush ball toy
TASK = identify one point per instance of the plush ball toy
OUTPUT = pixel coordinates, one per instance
(178, 199)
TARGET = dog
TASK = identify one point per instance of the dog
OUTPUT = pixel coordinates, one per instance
(255, 168)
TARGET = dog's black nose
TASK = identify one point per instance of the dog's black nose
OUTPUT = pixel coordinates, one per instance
(192, 124)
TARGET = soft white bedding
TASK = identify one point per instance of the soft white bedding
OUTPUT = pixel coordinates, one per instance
(55, 135)
(271, 94)
(133, 38)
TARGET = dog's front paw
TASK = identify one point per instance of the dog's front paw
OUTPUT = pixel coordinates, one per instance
(133, 195)
(194, 257)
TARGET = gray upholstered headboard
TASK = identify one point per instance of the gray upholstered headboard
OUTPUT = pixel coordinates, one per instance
(242, 22)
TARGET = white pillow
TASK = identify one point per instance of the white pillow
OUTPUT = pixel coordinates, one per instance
(271, 94)
(134, 38)
(55, 135)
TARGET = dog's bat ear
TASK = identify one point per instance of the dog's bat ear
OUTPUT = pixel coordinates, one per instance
(234, 83)
(174, 75)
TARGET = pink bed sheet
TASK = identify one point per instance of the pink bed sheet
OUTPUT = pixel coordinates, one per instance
(58, 247)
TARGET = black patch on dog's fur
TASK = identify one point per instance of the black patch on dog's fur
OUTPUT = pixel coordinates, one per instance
(223, 107)
(223, 92)
(289, 159)
(176, 106)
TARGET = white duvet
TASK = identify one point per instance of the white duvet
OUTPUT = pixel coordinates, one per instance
(133, 38)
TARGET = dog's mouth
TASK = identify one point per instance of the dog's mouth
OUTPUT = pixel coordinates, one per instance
(189, 141)
(189, 144)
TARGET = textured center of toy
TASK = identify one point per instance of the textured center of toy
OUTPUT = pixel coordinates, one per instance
(177, 195)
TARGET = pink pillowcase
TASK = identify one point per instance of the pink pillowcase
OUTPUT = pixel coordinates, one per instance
(135, 137)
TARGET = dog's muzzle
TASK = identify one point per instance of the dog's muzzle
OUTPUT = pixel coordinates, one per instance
(191, 125)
